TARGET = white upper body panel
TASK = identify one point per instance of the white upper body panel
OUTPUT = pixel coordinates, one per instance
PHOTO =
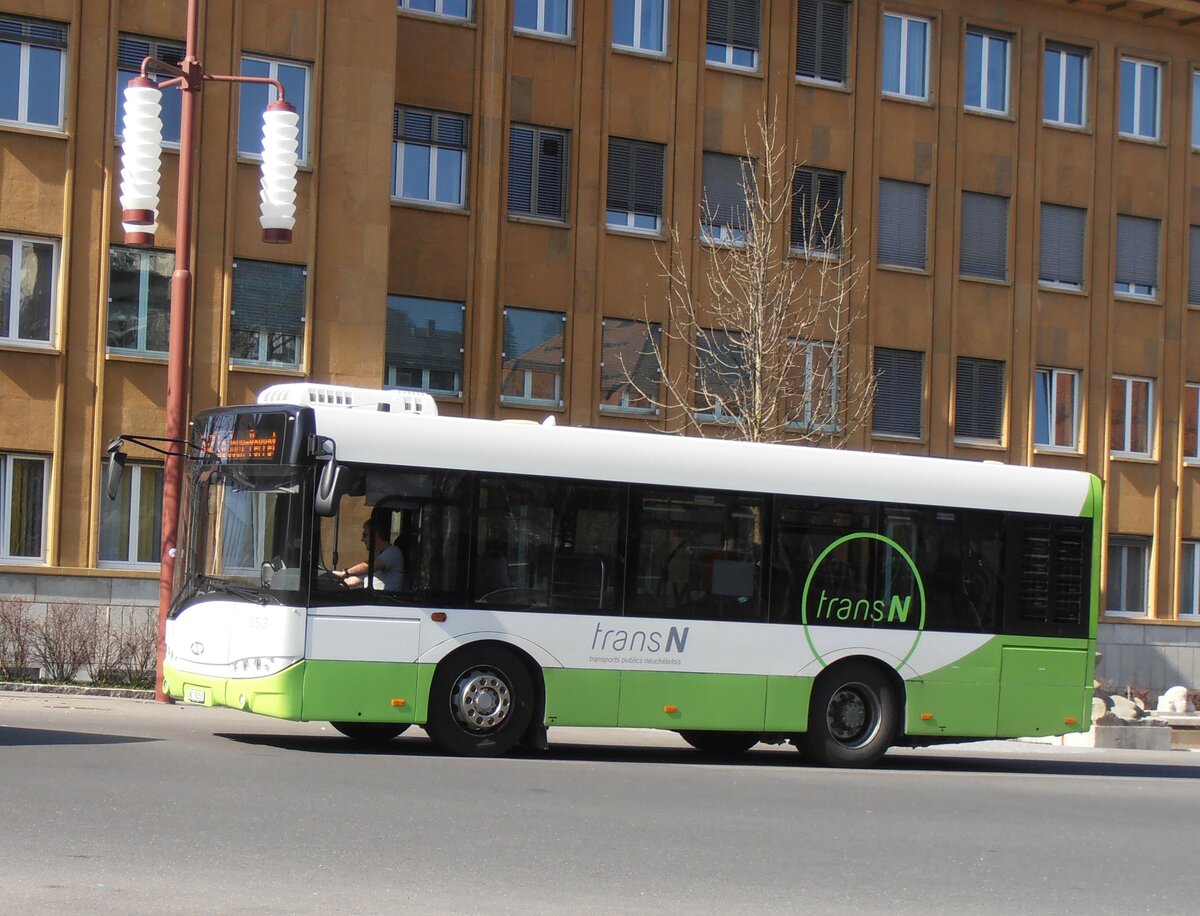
(414, 440)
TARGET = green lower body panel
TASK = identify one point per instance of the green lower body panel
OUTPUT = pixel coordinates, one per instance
(278, 695)
(787, 704)
(582, 697)
(361, 692)
(675, 700)
(1042, 690)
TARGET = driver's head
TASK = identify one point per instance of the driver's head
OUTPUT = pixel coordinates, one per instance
(373, 530)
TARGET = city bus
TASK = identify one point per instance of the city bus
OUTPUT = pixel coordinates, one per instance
(550, 575)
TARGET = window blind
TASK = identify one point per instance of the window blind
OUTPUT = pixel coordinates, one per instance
(1062, 238)
(903, 208)
(268, 297)
(900, 383)
(822, 38)
(733, 22)
(984, 236)
(817, 209)
(724, 200)
(1194, 266)
(34, 32)
(635, 177)
(979, 399)
(1137, 250)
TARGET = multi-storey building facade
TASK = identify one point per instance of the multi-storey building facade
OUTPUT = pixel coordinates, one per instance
(487, 189)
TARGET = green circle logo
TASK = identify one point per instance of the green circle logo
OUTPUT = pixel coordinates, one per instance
(832, 598)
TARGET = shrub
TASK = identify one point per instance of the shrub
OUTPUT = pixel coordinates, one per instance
(62, 641)
(16, 640)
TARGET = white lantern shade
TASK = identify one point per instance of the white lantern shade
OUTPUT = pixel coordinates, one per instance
(277, 192)
(141, 160)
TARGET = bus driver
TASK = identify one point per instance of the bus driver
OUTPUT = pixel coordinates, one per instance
(389, 561)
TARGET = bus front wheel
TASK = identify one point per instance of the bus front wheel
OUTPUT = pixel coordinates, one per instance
(481, 702)
(370, 731)
(852, 716)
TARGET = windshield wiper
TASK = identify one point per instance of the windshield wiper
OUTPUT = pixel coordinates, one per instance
(206, 585)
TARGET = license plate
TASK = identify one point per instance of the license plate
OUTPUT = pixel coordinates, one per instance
(196, 695)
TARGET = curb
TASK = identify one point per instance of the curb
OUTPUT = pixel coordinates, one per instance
(127, 693)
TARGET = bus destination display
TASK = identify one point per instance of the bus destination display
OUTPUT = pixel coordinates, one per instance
(243, 438)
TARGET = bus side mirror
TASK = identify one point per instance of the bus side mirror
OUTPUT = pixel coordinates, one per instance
(332, 483)
(116, 468)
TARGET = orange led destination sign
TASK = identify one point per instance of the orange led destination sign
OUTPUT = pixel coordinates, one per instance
(250, 447)
(243, 437)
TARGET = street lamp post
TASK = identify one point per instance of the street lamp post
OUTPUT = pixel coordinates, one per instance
(141, 154)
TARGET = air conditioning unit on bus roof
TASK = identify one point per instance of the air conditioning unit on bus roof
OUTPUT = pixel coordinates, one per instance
(310, 394)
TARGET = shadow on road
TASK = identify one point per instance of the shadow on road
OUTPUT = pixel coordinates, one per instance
(763, 757)
(29, 737)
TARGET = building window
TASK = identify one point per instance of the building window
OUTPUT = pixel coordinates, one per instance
(1064, 100)
(537, 172)
(732, 33)
(1140, 80)
(979, 400)
(532, 359)
(1191, 422)
(724, 214)
(268, 314)
(22, 507)
(424, 345)
(1060, 262)
(28, 288)
(983, 250)
(903, 209)
(1128, 573)
(1137, 256)
(451, 9)
(33, 65)
(544, 17)
(1131, 420)
(817, 211)
(630, 376)
(255, 97)
(131, 51)
(429, 156)
(635, 185)
(139, 300)
(1196, 109)
(1056, 409)
(813, 387)
(131, 524)
(905, 56)
(720, 371)
(823, 41)
(1194, 265)
(639, 25)
(987, 71)
(1189, 579)
(899, 393)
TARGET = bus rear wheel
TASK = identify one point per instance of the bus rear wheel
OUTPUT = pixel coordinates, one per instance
(370, 731)
(481, 702)
(852, 717)
(721, 744)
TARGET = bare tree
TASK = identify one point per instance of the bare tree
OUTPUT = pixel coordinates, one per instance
(769, 326)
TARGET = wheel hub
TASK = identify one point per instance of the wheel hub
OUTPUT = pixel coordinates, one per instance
(481, 700)
(853, 715)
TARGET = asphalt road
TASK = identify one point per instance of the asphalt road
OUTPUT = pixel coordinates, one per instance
(127, 806)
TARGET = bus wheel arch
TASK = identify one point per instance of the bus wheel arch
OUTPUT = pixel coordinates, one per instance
(485, 698)
(854, 714)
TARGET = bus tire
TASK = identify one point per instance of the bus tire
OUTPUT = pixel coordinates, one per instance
(375, 732)
(853, 716)
(481, 702)
(721, 744)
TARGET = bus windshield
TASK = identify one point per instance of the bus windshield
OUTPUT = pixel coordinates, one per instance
(245, 533)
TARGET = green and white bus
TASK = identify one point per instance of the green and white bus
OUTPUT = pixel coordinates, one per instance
(553, 575)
